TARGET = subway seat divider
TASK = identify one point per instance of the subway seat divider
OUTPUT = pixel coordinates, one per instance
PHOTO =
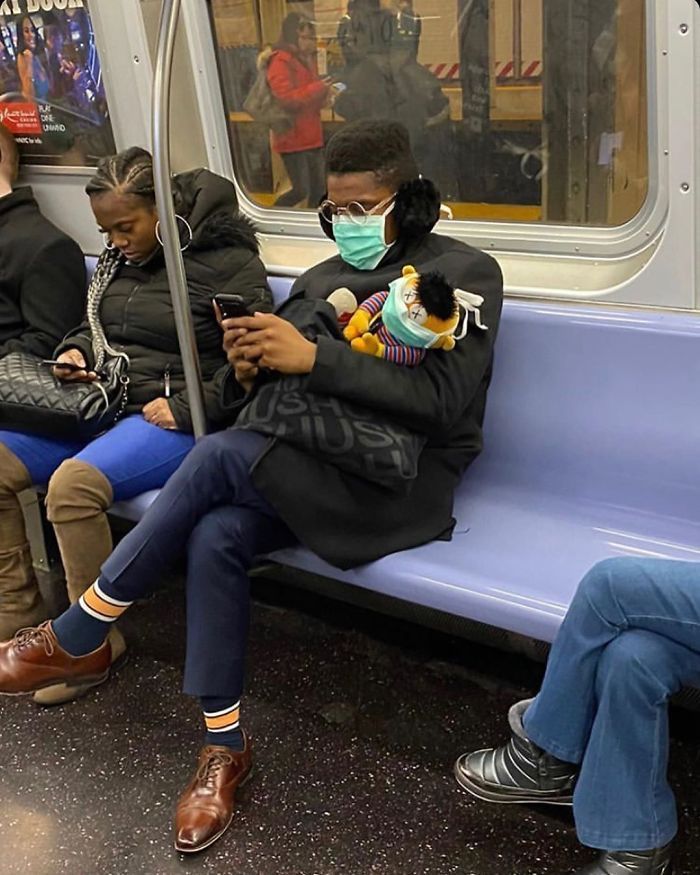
(592, 440)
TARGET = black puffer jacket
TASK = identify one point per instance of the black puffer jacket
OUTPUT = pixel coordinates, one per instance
(346, 519)
(137, 313)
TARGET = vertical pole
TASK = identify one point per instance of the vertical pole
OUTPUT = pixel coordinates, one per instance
(174, 264)
(517, 39)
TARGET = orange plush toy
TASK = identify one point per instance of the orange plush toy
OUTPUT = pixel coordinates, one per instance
(417, 313)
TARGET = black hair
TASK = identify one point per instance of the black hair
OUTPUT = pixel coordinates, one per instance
(437, 295)
(9, 153)
(21, 44)
(292, 26)
(383, 147)
(131, 173)
(128, 173)
(375, 146)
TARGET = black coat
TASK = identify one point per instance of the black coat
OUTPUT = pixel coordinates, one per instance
(349, 521)
(42, 278)
(137, 312)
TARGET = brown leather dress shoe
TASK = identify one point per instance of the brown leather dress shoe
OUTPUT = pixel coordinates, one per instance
(34, 659)
(205, 810)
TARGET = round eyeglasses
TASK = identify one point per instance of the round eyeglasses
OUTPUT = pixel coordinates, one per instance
(354, 210)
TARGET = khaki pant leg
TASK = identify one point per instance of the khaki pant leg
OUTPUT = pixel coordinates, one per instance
(76, 502)
(20, 601)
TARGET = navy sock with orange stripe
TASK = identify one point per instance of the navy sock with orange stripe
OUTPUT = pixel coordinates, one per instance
(222, 719)
(86, 624)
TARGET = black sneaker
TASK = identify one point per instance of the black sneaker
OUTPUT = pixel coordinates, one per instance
(520, 772)
(656, 862)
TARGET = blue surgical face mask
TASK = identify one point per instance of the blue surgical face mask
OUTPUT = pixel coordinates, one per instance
(362, 245)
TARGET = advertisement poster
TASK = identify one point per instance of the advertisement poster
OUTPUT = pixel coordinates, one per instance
(51, 90)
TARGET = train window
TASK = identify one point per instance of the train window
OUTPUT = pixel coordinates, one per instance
(520, 110)
(52, 95)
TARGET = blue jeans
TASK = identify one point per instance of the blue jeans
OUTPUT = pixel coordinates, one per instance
(134, 456)
(630, 639)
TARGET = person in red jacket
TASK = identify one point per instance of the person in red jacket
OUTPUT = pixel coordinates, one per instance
(294, 81)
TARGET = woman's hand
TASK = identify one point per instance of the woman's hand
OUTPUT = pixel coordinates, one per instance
(270, 342)
(158, 413)
(73, 357)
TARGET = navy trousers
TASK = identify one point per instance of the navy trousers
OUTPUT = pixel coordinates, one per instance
(630, 639)
(211, 509)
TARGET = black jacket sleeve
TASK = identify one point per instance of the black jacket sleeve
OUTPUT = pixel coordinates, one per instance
(52, 297)
(431, 397)
(79, 338)
(215, 410)
(250, 281)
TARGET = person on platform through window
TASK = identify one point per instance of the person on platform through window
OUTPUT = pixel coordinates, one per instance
(242, 493)
(295, 83)
(135, 311)
(596, 735)
(42, 271)
(409, 27)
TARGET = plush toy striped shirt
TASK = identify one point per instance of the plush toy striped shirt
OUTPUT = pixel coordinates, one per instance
(394, 350)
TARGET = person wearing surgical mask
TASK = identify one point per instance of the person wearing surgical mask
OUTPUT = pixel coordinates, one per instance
(241, 494)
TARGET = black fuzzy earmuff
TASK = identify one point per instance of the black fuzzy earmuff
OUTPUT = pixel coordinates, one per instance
(417, 209)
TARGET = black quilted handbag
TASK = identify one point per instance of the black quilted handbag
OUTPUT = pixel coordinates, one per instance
(33, 400)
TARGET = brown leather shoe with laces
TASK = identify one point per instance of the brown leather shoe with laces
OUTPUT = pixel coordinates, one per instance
(34, 659)
(205, 810)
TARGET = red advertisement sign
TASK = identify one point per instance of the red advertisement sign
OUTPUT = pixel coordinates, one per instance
(21, 119)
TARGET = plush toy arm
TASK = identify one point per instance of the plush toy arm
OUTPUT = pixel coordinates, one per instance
(358, 324)
(446, 342)
(369, 344)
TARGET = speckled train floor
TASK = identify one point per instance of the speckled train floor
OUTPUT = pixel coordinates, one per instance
(356, 722)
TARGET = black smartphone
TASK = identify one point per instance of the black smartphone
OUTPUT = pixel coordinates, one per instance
(65, 366)
(231, 306)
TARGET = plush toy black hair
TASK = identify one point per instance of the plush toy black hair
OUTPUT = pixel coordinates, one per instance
(436, 295)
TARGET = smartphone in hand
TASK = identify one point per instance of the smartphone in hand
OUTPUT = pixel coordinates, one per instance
(231, 306)
(65, 366)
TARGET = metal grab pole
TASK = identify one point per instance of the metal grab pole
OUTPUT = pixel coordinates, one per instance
(167, 31)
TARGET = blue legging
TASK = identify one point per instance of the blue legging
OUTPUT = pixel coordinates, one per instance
(134, 456)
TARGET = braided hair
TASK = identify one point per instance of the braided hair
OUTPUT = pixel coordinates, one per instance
(128, 173)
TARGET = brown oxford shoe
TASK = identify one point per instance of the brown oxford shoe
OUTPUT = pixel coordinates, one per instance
(34, 659)
(205, 810)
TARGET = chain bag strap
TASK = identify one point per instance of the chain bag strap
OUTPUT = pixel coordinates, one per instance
(107, 266)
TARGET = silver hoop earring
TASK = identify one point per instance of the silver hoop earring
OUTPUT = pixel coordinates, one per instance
(185, 223)
(108, 242)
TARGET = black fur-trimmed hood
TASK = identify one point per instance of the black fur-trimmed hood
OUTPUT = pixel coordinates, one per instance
(209, 204)
(223, 229)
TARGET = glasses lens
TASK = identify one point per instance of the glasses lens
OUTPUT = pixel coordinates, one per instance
(357, 213)
(328, 209)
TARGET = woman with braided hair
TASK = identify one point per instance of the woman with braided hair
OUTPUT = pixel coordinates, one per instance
(129, 313)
